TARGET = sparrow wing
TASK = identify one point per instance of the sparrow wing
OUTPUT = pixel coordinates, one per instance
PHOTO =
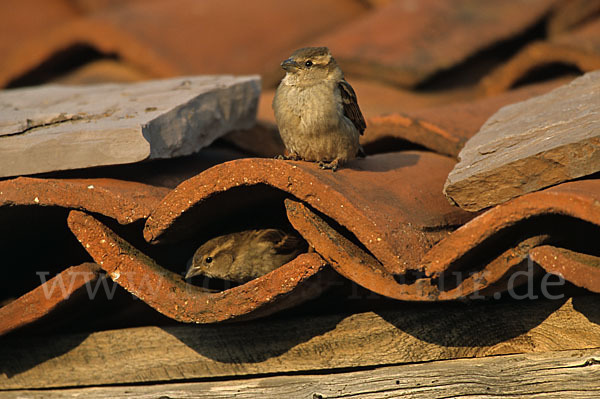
(351, 109)
(283, 242)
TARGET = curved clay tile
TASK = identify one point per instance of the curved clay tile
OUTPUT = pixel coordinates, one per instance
(406, 43)
(99, 35)
(42, 300)
(485, 249)
(299, 280)
(579, 48)
(25, 19)
(33, 212)
(353, 262)
(124, 201)
(379, 221)
(392, 203)
(568, 14)
(580, 269)
(445, 129)
(224, 34)
(481, 257)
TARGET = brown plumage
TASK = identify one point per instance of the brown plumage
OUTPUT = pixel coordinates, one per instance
(351, 109)
(245, 255)
(316, 109)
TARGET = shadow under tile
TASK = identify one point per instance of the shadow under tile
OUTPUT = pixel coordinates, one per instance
(369, 164)
(255, 341)
(475, 324)
(590, 309)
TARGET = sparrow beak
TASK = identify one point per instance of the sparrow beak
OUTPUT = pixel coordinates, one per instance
(190, 273)
(290, 65)
(190, 270)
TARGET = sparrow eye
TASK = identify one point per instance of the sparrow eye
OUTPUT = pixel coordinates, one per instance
(308, 63)
(208, 259)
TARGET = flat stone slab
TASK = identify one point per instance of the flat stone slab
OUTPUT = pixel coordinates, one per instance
(50, 128)
(530, 145)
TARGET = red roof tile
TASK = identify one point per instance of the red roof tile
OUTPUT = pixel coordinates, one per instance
(22, 20)
(572, 202)
(392, 202)
(100, 35)
(568, 14)
(480, 257)
(446, 128)
(124, 201)
(382, 221)
(231, 36)
(167, 292)
(409, 41)
(579, 48)
(224, 36)
(41, 301)
(580, 269)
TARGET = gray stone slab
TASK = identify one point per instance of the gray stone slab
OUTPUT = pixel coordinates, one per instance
(530, 145)
(50, 128)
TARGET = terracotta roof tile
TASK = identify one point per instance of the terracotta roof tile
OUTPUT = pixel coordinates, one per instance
(42, 300)
(446, 128)
(349, 258)
(129, 32)
(92, 6)
(408, 41)
(103, 70)
(225, 33)
(100, 35)
(123, 201)
(33, 212)
(379, 218)
(19, 23)
(579, 48)
(391, 202)
(480, 257)
(382, 222)
(580, 269)
(479, 244)
(568, 14)
(297, 281)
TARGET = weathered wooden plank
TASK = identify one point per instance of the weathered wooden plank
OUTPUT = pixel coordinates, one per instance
(572, 374)
(48, 128)
(530, 145)
(410, 333)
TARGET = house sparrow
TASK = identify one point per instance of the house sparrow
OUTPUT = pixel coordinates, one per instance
(316, 109)
(245, 255)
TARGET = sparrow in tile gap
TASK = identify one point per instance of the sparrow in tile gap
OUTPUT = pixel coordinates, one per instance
(243, 256)
(316, 110)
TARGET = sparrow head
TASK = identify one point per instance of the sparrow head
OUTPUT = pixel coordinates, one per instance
(310, 65)
(213, 258)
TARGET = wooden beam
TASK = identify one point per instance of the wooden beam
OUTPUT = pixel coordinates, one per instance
(572, 374)
(411, 333)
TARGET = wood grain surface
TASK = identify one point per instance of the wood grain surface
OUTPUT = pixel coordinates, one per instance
(411, 333)
(564, 374)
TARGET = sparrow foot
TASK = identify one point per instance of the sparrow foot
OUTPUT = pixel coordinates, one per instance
(333, 165)
(293, 157)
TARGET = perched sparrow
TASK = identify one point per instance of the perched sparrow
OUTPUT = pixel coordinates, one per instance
(316, 109)
(245, 255)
